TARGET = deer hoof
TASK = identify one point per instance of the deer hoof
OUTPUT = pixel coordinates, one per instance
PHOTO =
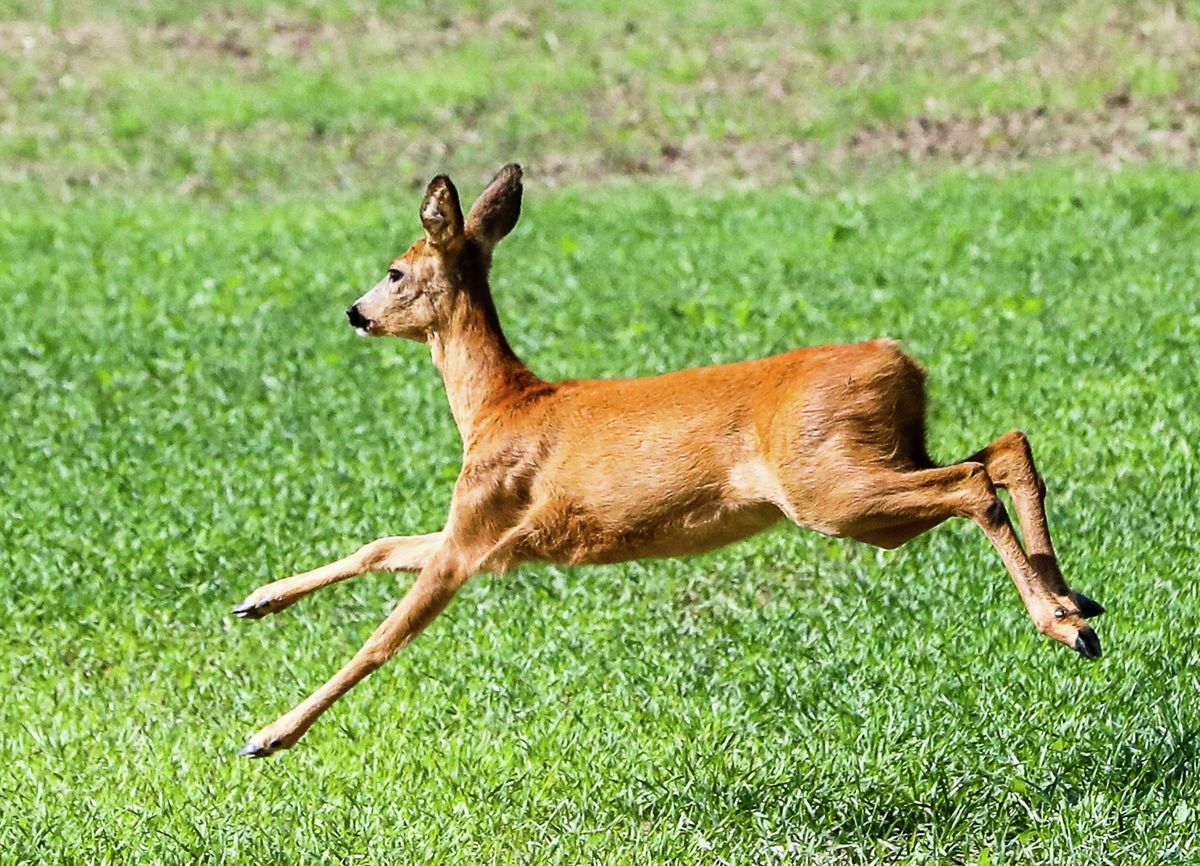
(1088, 644)
(252, 610)
(253, 750)
(257, 750)
(1088, 608)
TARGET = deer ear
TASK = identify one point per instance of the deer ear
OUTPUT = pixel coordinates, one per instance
(441, 214)
(496, 210)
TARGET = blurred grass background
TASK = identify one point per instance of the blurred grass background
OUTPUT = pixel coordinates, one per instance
(190, 194)
(263, 100)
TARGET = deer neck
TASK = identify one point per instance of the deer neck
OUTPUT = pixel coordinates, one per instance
(479, 369)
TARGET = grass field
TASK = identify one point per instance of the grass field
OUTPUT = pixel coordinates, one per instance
(187, 416)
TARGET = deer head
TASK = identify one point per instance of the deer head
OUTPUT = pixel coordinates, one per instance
(418, 295)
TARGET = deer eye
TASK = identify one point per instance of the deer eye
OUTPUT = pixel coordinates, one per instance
(395, 275)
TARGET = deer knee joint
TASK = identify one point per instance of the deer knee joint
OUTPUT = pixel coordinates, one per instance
(375, 655)
(374, 552)
(982, 505)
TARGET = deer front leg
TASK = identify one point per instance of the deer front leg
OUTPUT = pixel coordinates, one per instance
(396, 553)
(437, 583)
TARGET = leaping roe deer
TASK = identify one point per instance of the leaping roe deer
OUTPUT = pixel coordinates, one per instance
(602, 471)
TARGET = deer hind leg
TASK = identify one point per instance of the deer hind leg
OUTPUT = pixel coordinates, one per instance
(1009, 462)
(889, 504)
(392, 554)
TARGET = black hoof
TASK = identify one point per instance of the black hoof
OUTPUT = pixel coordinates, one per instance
(253, 750)
(1088, 644)
(252, 611)
(1088, 608)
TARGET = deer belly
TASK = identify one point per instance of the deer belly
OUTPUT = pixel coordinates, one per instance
(574, 535)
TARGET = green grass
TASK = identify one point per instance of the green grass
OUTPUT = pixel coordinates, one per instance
(187, 416)
(265, 100)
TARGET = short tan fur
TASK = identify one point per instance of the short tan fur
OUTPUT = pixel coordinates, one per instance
(598, 471)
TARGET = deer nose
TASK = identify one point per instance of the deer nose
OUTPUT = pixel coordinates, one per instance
(357, 319)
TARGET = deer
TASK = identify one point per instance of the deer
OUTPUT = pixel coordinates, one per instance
(581, 471)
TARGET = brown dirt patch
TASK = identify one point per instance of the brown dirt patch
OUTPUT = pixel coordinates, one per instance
(1124, 130)
(757, 105)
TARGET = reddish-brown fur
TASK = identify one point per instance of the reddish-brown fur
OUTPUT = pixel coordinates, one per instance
(595, 471)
